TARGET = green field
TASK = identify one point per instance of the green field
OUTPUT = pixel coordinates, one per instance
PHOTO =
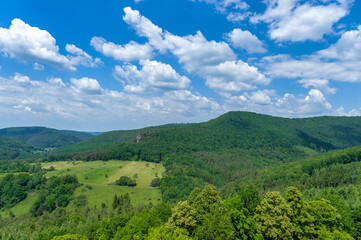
(101, 175)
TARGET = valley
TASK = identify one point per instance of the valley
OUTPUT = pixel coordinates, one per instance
(236, 156)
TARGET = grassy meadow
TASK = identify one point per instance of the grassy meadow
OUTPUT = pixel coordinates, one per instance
(100, 176)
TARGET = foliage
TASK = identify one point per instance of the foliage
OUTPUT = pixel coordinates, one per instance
(14, 188)
(203, 215)
(126, 181)
(70, 237)
(11, 148)
(273, 217)
(41, 137)
(155, 182)
(233, 147)
(56, 192)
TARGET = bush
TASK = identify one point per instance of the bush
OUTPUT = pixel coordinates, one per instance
(155, 182)
(125, 181)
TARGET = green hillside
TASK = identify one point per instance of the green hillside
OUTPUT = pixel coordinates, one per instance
(11, 148)
(251, 159)
(111, 138)
(42, 137)
(224, 149)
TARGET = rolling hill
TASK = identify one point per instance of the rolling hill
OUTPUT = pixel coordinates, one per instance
(11, 148)
(222, 150)
(42, 137)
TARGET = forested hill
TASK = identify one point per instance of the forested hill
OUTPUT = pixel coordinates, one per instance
(239, 130)
(43, 137)
(222, 150)
(112, 138)
(11, 148)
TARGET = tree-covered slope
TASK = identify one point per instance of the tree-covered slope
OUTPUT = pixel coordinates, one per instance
(111, 138)
(44, 137)
(11, 148)
(224, 149)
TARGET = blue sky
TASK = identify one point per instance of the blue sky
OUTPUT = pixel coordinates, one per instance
(98, 66)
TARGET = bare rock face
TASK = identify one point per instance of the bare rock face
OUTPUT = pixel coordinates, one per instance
(140, 137)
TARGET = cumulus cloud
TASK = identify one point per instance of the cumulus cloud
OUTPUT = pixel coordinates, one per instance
(236, 10)
(144, 27)
(347, 48)
(289, 105)
(154, 76)
(56, 81)
(195, 51)
(208, 59)
(289, 20)
(233, 76)
(26, 43)
(313, 104)
(88, 85)
(352, 113)
(38, 66)
(320, 84)
(79, 57)
(60, 105)
(311, 67)
(129, 52)
(245, 40)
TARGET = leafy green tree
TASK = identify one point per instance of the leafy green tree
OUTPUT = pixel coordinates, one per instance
(183, 216)
(203, 215)
(303, 222)
(125, 181)
(240, 211)
(109, 226)
(325, 215)
(155, 182)
(163, 233)
(273, 217)
(70, 237)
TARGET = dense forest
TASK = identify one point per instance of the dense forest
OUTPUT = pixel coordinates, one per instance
(240, 176)
(234, 146)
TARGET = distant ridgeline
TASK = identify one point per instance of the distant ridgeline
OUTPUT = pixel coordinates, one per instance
(21, 141)
(230, 147)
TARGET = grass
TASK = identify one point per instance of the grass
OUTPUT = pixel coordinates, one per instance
(101, 175)
(23, 207)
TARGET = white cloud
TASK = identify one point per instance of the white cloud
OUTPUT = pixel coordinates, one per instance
(313, 104)
(341, 112)
(236, 10)
(347, 48)
(80, 57)
(320, 84)
(28, 43)
(130, 52)
(268, 102)
(194, 51)
(214, 61)
(38, 66)
(312, 67)
(153, 76)
(21, 78)
(245, 40)
(289, 20)
(56, 81)
(87, 85)
(222, 5)
(233, 76)
(144, 27)
(55, 104)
